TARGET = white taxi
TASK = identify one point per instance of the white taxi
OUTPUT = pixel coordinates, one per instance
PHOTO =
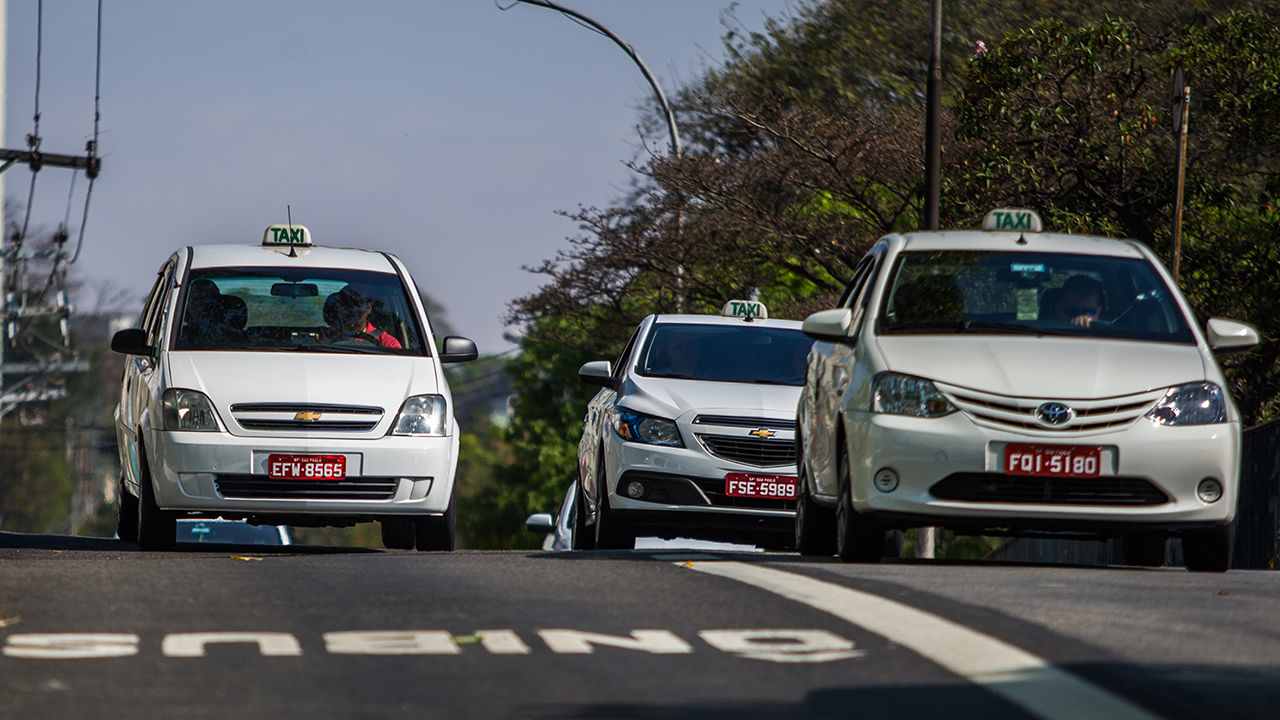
(289, 384)
(693, 432)
(1012, 381)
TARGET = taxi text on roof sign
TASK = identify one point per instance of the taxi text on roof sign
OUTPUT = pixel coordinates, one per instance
(286, 235)
(1012, 220)
(745, 309)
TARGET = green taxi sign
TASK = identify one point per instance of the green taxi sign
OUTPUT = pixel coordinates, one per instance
(285, 235)
(745, 309)
(1012, 220)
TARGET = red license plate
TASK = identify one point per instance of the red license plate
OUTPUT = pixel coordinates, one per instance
(1053, 460)
(765, 487)
(306, 467)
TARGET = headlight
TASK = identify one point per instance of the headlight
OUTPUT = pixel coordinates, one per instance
(907, 395)
(1198, 403)
(188, 410)
(634, 427)
(421, 415)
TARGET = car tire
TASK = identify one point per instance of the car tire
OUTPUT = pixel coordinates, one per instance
(583, 538)
(127, 514)
(157, 529)
(612, 531)
(815, 534)
(1144, 550)
(857, 539)
(1209, 550)
(397, 533)
(437, 533)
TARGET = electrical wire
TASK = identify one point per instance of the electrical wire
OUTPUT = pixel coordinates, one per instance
(93, 144)
(33, 140)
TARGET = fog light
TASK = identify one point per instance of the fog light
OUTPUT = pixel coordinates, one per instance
(1209, 490)
(886, 480)
(635, 489)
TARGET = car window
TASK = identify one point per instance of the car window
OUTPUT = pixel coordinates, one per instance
(852, 290)
(859, 301)
(741, 353)
(297, 309)
(620, 366)
(157, 288)
(969, 291)
(159, 305)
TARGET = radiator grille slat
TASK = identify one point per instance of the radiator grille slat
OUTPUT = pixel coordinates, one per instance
(259, 487)
(751, 451)
(998, 488)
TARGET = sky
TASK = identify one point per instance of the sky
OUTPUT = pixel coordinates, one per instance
(444, 131)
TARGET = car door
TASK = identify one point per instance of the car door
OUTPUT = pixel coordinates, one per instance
(127, 411)
(832, 368)
(146, 386)
(595, 424)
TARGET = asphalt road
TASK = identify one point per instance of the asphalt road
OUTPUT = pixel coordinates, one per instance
(94, 628)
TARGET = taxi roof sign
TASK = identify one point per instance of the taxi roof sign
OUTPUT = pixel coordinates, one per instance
(1013, 220)
(745, 309)
(286, 235)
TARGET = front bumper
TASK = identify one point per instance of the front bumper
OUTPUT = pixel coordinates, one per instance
(198, 472)
(925, 451)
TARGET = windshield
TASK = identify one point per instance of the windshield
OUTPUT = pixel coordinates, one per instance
(744, 353)
(299, 309)
(986, 292)
(234, 533)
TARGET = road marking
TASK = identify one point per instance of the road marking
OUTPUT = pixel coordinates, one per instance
(502, 642)
(1014, 674)
(391, 642)
(192, 644)
(577, 642)
(782, 646)
(71, 646)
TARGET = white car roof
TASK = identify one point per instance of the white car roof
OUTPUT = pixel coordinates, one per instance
(207, 256)
(1008, 241)
(722, 320)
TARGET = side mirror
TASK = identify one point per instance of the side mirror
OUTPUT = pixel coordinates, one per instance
(596, 372)
(829, 325)
(1229, 335)
(132, 342)
(540, 523)
(458, 349)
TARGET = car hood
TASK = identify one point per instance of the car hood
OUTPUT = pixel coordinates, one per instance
(229, 378)
(1044, 367)
(671, 398)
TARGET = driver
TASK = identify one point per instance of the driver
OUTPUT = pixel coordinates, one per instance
(347, 313)
(1081, 303)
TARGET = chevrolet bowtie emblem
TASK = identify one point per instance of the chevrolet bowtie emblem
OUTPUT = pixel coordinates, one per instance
(307, 416)
(762, 433)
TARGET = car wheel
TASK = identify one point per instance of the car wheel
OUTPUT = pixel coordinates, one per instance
(857, 540)
(127, 514)
(157, 529)
(397, 533)
(1209, 550)
(815, 524)
(583, 538)
(612, 532)
(437, 533)
(1143, 550)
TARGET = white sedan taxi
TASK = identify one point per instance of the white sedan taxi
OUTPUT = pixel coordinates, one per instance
(287, 384)
(692, 434)
(1013, 381)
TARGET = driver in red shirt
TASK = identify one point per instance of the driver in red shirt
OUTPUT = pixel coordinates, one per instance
(347, 313)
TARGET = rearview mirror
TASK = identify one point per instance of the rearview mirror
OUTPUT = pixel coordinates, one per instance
(540, 523)
(829, 325)
(295, 290)
(132, 342)
(596, 372)
(1227, 335)
(458, 349)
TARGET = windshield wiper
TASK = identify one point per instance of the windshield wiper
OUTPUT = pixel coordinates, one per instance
(336, 349)
(671, 376)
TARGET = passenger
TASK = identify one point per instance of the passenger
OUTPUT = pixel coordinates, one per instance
(204, 312)
(347, 313)
(1080, 302)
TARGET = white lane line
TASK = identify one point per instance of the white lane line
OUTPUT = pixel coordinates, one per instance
(1017, 675)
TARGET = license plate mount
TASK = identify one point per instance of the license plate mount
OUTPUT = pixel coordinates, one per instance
(311, 467)
(1065, 461)
(760, 486)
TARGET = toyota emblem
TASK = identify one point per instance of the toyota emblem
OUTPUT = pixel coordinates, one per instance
(1054, 414)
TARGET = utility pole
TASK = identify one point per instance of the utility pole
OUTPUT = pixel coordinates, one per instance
(1181, 119)
(927, 537)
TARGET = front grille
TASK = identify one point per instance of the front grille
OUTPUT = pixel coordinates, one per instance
(714, 490)
(249, 487)
(751, 451)
(1017, 413)
(746, 422)
(998, 488)
(278, 416)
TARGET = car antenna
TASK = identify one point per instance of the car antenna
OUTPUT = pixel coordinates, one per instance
(288, 212)
(1022, 239)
